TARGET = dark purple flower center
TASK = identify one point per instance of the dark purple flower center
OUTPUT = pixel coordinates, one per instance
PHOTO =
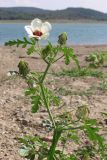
(38, 33)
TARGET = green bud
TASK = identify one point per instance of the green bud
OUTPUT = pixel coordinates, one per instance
(23, 68)
(46, 51)
(82, 112)
(62, 39)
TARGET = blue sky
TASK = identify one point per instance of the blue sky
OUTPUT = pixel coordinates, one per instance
(100, 5)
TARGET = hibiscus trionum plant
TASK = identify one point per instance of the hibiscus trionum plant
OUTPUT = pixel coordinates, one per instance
(64, 127)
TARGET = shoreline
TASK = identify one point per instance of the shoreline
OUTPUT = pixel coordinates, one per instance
(74, 45)
(55, 21)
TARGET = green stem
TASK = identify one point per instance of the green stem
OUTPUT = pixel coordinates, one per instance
(58, 58)
(57, 132)
(56, 136)
(47, 107)
(43, 94)
(71, 128)
(44, 75)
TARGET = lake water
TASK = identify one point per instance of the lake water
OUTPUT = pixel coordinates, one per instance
(78, 33)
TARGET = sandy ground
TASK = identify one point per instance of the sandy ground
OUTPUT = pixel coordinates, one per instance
(16, 118)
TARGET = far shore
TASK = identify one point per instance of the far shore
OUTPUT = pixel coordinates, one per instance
(54, 21)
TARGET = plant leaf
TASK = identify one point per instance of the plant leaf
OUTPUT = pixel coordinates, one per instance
(31, 50)
(19, 42)
(36, 103)
(24, 152)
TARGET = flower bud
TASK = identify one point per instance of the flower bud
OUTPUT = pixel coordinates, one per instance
(62, 39)
(82, 112)
(46, 51)
(23, 68)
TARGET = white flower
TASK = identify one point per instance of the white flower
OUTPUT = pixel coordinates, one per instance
(38, 29)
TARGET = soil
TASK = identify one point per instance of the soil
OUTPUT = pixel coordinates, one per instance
(16, 118)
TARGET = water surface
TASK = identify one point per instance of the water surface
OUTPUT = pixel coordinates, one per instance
(78, 33)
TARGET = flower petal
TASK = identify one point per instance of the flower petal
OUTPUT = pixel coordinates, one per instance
(45, 36)
(37, 37)
(32, 36)
(46, 27)
(36, 24)
(28, 30)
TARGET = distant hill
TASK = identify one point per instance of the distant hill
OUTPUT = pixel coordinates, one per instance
(27, 13)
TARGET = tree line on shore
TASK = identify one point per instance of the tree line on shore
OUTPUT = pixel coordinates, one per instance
(28, 13)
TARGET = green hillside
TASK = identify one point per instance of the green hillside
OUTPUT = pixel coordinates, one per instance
(27, 13)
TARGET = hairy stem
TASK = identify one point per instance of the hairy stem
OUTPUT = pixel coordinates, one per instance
(56, 136)
(44, 97)
(58, 58)
(46, 105)
(44, 75)
(57, 132)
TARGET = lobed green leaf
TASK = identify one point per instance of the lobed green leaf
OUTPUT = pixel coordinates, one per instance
(36, 101)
